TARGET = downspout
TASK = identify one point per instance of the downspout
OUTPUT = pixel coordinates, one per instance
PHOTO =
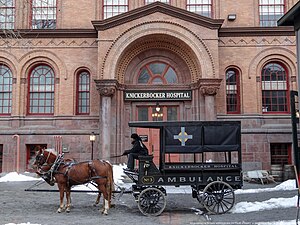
(18, 151)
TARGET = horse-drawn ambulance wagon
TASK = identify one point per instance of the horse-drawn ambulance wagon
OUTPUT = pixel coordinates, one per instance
(208, 159)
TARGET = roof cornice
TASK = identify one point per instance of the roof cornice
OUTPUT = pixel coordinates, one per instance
(291, 18)
(47, 33)
(256, 31)
(153, 8)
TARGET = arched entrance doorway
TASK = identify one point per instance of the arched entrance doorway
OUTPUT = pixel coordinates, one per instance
(157, 105)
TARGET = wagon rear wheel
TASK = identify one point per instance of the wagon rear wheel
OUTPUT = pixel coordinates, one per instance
(151, 202)
(218, 197)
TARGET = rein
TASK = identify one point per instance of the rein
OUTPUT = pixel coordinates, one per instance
(53, 165)
(45, 163)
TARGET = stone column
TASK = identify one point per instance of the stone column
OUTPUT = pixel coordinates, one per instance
(209, 93)
(106, 92)
(209, 88)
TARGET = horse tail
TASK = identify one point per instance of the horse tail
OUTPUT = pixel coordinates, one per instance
(110, 184)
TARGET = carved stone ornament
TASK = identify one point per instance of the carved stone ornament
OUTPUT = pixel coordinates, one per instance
(107, 91)
(209, 90)
(23, 80)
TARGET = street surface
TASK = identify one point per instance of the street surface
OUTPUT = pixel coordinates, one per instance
(19, 206)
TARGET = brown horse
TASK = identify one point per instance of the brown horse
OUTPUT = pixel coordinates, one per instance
(66, 174)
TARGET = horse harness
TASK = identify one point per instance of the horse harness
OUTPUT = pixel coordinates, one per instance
(59, 161)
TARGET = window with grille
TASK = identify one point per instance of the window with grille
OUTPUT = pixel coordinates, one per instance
(280, 153)
(41, 90)
(5, 90)
(151, 1)
(157, 73)
(83, 93)
(149, 113)
(202, 7)
(43, 14)
(7, 14)
(172, 113)
(274, 88)
(270, 11)
(114, 7)
(232, 91)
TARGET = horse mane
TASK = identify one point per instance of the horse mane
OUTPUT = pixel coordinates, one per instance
(51, 150)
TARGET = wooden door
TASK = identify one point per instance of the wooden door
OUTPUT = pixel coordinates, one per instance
(151, 136)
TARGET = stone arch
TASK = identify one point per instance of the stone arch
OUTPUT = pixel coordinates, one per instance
(276, 54)
(81, 68)
(90, 68)
(10, 61)
(193, 48)
(33, 58)
(171, 51)
(283, 55)
(132, 70)
(36, 57)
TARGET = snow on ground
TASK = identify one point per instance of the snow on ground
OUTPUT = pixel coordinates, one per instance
(241, 207)
(22, 224)
(14, 176)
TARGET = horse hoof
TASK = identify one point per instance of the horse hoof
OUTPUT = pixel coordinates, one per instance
(58, 211)
(68, 210)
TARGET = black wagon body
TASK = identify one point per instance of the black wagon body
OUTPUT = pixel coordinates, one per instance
(210, 162)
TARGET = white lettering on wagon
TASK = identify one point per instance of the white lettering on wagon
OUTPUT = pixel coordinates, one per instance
(193, 179)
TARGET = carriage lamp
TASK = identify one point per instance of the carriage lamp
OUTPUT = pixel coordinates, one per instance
(92, 140)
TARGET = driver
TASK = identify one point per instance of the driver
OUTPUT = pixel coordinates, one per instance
(138, 148)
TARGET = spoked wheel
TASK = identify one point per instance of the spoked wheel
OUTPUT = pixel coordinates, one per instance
(151, 202)
(218, 197)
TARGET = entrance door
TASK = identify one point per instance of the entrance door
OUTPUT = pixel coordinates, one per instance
(156, 113)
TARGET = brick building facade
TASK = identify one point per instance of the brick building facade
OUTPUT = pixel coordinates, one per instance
(70, 68)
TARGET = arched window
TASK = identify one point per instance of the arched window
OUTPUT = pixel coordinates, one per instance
(232, 91)
(83, 93)
(157, 73)
(274, 88)
(41, 90)
(5, 90)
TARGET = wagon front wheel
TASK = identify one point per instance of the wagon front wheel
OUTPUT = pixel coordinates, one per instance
(218, 197)
(151, 202)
